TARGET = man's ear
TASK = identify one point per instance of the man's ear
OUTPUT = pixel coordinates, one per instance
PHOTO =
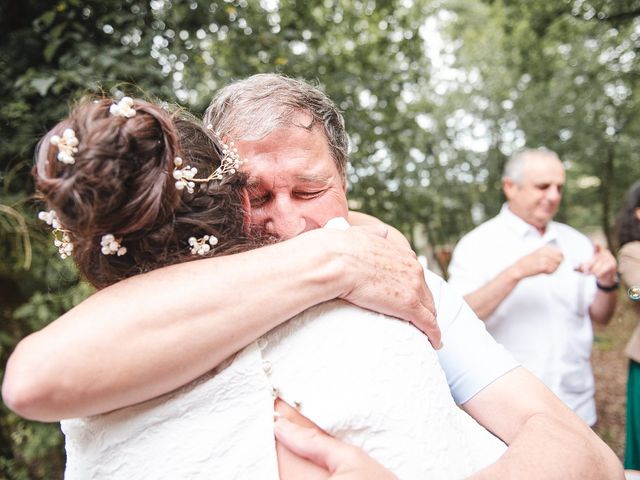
(508, 187)
(637, 213)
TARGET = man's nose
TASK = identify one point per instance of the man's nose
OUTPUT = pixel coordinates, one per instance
(285, 219)
(285, 226)
(554, 193)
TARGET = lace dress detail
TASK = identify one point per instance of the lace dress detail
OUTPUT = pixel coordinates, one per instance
(375, 382)
(371, 381)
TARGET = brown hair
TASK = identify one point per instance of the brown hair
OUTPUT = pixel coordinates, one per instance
(122, 184)
(628, 223)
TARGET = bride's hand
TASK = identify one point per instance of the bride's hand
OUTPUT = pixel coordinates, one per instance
(382, 276)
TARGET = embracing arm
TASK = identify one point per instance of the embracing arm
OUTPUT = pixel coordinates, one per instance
(546, 439)
(150, 334)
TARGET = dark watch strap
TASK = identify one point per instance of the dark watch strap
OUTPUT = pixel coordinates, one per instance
(610, 288)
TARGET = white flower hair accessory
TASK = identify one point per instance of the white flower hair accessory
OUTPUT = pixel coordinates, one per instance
(229, 165)
(184, 176)
(111, 246)
(201, 246)
(67, 145)
(231, 160)
(50, 218)
(61, 238)
(124, 108)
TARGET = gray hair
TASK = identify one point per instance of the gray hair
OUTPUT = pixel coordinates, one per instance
(252, 108)
(514, 168)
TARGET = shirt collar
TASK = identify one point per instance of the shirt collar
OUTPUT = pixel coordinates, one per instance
(523, 229)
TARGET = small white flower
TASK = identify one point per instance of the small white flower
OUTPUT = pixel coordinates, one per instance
(184, 176)
(62, 241)
(230, 162)
(67, 146)
(111, 246)
(124, 108)
(201, 246)
(50, 218)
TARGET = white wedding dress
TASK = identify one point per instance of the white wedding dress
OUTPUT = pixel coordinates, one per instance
(367, 379)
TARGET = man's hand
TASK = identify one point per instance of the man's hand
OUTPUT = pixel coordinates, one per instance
(342, 461)
(386, 277)
(543, 260)
(602, 265)
(486, 299)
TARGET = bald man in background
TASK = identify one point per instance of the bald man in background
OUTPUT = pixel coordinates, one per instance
(538, 284)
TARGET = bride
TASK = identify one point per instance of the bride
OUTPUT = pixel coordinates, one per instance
(129, 188)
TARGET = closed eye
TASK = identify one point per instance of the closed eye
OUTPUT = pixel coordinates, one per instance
(308, 194)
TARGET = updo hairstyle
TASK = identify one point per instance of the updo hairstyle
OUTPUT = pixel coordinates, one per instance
(121, 183)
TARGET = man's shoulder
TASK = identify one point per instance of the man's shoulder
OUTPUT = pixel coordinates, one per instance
(486, 228)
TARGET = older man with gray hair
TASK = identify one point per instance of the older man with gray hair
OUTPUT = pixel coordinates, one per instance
(538, 284)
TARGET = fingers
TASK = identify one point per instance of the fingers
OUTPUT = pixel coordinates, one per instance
(311, 443)
(545, 259)
(426, 320)
(553, 254)
(597, 247)
(416, 304)
(602, 265)
(605, 268)
(387, 278)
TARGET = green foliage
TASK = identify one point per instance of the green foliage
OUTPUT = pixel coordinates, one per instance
(565, 74)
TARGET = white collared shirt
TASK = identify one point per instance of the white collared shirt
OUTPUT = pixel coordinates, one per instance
(544, 322)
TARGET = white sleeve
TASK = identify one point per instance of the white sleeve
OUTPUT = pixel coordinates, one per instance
(471, 358)
(464, 270)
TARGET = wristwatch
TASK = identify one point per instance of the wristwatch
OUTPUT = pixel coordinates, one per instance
(610, 288)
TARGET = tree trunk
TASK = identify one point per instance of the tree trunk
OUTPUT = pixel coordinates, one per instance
(605, 192)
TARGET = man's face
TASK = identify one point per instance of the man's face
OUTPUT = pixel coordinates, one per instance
(537, 198)
(294, 185)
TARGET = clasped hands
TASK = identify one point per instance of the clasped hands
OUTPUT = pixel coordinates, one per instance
(547, 259)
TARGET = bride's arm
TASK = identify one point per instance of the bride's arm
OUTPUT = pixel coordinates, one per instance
(153, 333)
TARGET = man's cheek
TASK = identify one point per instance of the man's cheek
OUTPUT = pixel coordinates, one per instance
(258, 217)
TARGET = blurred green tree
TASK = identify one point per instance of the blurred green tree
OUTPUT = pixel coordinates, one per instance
(563, 75)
